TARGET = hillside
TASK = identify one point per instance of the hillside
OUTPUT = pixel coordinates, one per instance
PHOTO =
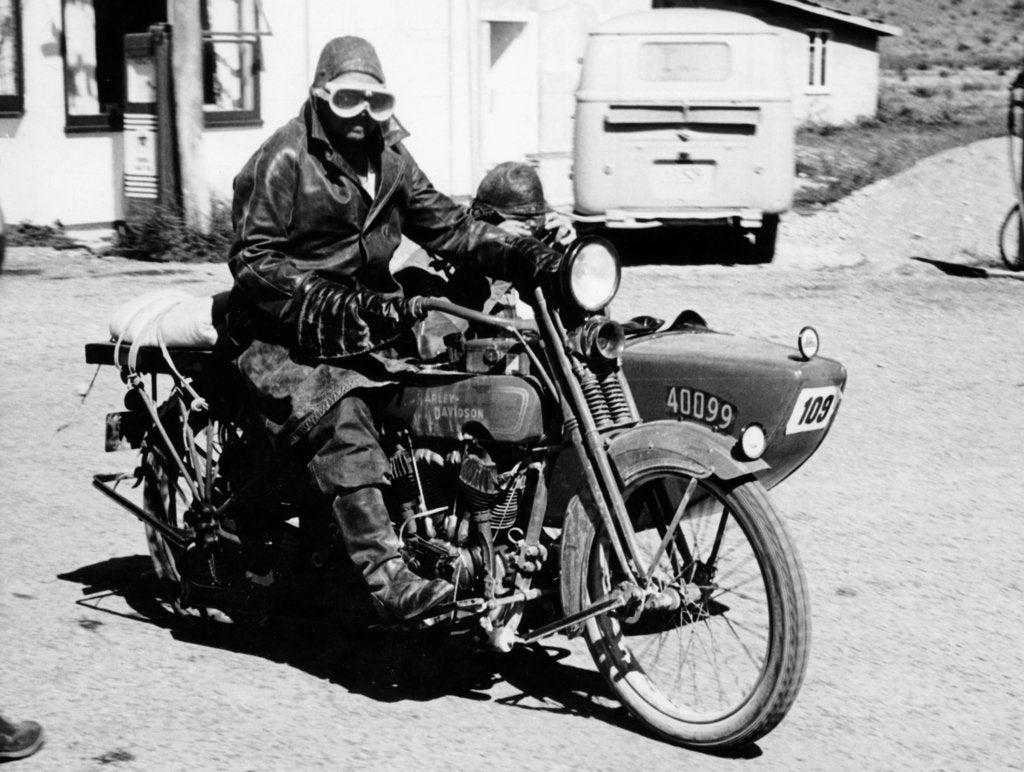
(951, 33)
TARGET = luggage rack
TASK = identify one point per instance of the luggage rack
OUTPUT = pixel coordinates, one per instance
(188, 361)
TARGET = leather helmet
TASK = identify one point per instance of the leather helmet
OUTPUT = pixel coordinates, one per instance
(512, 189)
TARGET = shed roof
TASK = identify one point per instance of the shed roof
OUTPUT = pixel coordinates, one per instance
(816, 9)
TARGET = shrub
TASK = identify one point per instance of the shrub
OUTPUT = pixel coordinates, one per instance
(27, 234)
(165, 237)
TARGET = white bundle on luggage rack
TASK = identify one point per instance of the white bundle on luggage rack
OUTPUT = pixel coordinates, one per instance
(165, 318)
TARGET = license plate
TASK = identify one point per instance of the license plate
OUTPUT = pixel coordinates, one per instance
(679, 180)
(695, 405)
(814, 409)
(115, 439)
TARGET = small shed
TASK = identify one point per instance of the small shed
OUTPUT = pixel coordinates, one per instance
(832, 55)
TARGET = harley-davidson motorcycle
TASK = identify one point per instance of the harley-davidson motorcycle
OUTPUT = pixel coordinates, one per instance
(569, 475)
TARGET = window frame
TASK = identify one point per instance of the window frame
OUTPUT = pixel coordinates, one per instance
(213, 118)
(13, 105)
(89, 123)
(819, 48)
(113, 121)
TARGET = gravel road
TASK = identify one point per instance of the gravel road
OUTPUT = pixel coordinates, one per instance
(908, 522)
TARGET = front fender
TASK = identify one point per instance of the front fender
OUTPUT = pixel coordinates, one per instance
(695, 448)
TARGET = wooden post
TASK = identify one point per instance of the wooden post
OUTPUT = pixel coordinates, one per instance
(187, 66)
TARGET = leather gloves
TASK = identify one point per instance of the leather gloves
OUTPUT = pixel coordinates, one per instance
(532, 261)
(335, 321)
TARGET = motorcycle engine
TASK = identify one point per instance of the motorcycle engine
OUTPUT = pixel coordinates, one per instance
(456, 514)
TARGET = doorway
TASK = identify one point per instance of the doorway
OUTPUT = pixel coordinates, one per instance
(510, 88)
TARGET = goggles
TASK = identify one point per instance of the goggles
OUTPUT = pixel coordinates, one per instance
(347, 101)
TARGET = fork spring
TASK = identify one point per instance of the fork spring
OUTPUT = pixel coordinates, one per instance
(595, 396)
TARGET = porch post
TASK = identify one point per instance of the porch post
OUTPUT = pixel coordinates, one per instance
(187, 68)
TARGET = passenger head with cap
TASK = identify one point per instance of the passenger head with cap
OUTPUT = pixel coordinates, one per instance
(350, 91)
(511, 195)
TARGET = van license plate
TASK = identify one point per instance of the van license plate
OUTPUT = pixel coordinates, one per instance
(681, 180)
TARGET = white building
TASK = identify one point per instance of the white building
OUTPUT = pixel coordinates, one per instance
(832, 55)
(478, 81)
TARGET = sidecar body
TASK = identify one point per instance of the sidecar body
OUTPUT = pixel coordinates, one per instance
(728, 382)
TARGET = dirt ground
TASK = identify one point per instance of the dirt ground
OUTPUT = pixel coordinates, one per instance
(907, 519)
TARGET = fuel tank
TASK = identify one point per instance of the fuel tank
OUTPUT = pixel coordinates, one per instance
(444, 406)
(729, 382)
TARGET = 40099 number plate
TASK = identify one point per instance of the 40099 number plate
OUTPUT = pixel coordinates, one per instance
(697, 405)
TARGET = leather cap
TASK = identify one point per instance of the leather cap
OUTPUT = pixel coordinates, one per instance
(344, 56)
(512, 188)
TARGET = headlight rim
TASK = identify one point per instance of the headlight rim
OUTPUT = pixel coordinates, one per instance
(572, 255)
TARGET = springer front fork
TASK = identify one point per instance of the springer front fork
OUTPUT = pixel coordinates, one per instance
(581, 415)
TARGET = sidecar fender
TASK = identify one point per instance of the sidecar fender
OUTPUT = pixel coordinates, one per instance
(696, 448)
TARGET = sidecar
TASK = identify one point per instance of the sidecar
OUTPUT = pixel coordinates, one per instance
(726, 382)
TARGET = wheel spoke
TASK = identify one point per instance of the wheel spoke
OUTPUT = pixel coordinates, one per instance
(670, 532)
(732, 626)
(718, 537)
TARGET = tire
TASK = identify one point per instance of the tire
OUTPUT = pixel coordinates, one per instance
(1010, 240)
(160, 477)
(722, 669)
(762, 251)
(166, 495)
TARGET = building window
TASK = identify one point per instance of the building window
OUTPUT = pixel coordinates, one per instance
(231, 62)
(818, 41)
(94, 66)
(12, 97)
(94, 80)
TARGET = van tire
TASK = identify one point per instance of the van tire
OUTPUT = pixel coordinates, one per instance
(763, 249)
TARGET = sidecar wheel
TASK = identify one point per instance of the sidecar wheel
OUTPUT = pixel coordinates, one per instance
(723, 667)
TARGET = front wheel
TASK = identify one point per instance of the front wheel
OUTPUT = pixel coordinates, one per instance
(721, 666)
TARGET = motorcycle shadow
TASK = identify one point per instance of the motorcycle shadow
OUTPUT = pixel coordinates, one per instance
(384, 665)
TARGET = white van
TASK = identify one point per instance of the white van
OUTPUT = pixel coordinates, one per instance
(684, 116)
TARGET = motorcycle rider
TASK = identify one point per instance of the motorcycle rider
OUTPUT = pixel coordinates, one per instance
(319, 210)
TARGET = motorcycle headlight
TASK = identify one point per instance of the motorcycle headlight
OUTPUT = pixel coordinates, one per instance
(592, 272)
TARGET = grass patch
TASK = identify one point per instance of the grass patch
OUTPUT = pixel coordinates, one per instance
(161, 237)
(165, 237)
(27, 234)
(918, 116)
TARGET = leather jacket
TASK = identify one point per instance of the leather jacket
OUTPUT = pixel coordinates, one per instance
(312, 247)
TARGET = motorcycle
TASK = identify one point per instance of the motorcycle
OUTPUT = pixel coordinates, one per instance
(526, 472)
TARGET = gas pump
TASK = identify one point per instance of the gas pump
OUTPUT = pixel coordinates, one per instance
(150, 179)
(1011, 234)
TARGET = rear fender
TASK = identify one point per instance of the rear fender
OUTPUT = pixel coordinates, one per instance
(695, 448)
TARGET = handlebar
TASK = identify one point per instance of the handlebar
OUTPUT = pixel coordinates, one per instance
(440, 304)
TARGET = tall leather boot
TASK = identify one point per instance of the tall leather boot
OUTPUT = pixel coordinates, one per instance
(373, 547)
